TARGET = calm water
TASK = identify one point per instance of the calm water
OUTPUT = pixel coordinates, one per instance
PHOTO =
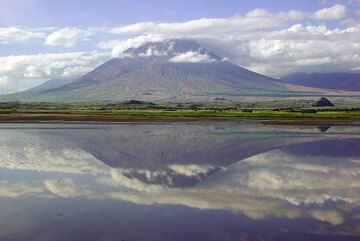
(181, 181)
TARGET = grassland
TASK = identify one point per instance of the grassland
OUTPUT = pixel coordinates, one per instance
(193, 113)
(136, 111)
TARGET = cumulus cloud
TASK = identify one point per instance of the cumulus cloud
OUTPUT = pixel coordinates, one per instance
(269, 184)
(304, 48)
(275, 183)
(255, 20)
(4, 80)
(335, 12)
(330, 216)
(270, 43)
(152, 51)
(192, 57)
(66, 188)
(274, 171)
(240, 24)
(119, 46)
(15, 34)
(20, 69)
(118, 178)
(191, 170)
(67, 37)
(17, 189)
(37, 156)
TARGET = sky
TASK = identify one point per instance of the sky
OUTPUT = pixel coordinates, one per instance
(45, 39)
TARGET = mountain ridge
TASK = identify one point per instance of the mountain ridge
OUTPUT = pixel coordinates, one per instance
(336, 80)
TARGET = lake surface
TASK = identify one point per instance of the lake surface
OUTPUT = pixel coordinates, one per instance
(179, 181)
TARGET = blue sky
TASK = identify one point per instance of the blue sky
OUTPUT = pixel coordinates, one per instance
(62, 13)
(43, 39)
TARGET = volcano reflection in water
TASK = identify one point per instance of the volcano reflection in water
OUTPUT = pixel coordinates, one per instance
(180, 181)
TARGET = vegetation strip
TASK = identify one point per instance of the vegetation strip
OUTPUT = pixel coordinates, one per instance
(275, 117)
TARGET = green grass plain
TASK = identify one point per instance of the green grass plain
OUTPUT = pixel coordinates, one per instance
(137, 109)
(195, 113)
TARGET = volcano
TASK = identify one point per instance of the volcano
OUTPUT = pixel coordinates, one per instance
(172, 70)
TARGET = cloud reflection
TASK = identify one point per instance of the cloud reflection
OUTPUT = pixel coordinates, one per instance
(270, 184)
(17, 189)
(66, 188)
(284, 180)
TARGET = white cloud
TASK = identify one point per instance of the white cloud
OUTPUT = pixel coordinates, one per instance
(330, 216)
(270, 184)
(256, 13)
(152, 51)
(66, 188)
(119, 46)
(335, 12)
(207, 26)
(16, 189)
(255, 20)
(15, 34)
(21, 71)
(293, 15)
(265, 41)
(192, 57)
(71, 71)
(274, 171)
(67, 37)
(297, 48)
(119, 179)
(272, 43)
(274, 183)
(191, 170)
(4, 80)
(356, 68)
(37, 156)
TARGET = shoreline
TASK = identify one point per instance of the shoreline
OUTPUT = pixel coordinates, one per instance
(123, 119)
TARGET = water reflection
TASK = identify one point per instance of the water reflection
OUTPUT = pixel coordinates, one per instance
(323, 129)
(251, 175)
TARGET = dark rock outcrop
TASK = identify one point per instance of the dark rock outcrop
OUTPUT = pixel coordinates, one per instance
(322, 102)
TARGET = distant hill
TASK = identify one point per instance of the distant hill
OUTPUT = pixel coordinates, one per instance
(336, 81)
(33, 93)
(173, 70)
(50, 84)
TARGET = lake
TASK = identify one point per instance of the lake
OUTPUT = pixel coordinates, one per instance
(179, 181)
